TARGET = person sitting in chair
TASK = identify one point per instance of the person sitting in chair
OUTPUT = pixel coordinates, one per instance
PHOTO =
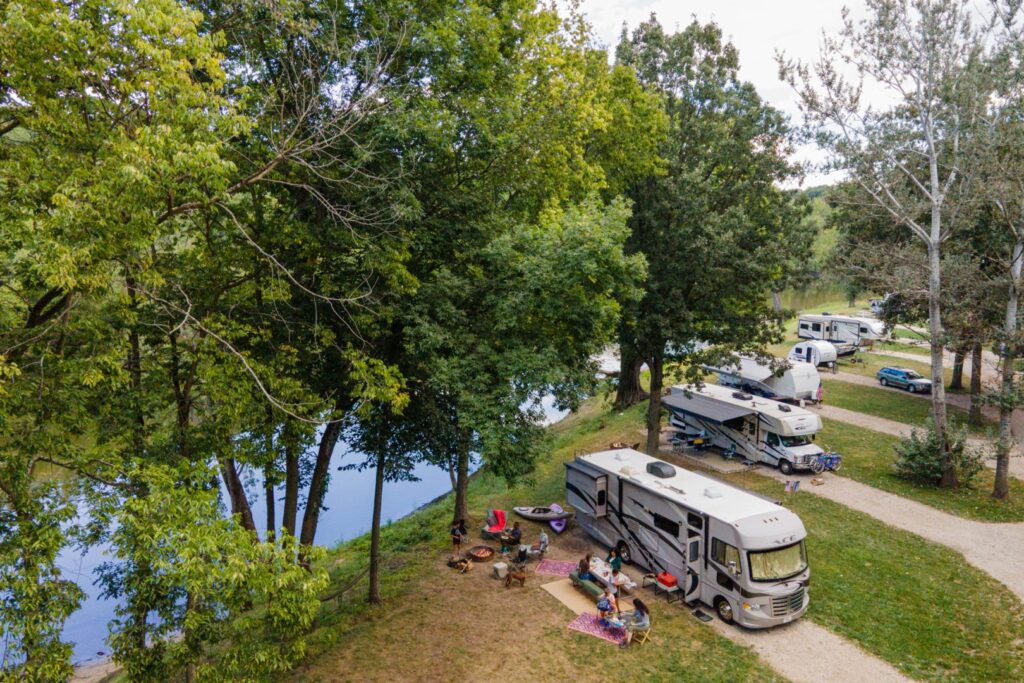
(640, 620)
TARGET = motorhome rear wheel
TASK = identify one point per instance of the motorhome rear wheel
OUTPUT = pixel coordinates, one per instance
(622, 550)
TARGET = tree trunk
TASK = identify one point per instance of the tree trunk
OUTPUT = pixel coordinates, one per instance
(957, 381)
(1001, 488)
(936, 334)
(974, 414)
(378, 494)
(190, 606)
(777, 302)
(318, 486)
(655, 363)
(628, 392)
(268, 485)
(462, 482)
(291, 488)
(236, 492)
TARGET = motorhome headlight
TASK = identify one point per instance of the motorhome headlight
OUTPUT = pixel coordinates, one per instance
(751, 606)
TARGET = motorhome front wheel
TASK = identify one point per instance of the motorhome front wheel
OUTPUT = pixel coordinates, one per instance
(724, 609)
(786, 467)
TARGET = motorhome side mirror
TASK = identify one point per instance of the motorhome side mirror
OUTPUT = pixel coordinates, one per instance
(733, 569)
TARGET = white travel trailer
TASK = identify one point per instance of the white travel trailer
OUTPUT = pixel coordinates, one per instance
(814, 351)
(737, 552)
(799, 382)
(845, 332)
(757, 429)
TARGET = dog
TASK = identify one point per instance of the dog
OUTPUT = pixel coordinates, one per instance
(515, 575)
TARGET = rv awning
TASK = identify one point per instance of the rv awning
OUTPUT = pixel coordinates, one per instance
(705, 407)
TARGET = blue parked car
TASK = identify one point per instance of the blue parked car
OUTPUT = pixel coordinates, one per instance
(904, 378)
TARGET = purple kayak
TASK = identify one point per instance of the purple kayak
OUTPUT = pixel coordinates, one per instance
(558, 524)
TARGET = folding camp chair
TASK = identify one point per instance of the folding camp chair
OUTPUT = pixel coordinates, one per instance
(641, 637)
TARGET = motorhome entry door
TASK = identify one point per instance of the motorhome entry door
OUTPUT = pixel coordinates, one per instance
(694, 552)
(601, 492)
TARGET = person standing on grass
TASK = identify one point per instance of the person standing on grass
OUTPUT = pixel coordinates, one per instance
(457, 534)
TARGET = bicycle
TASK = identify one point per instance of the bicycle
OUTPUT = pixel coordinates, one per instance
(828, 460)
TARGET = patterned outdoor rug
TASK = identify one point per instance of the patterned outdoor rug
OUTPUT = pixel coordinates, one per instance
(555, 567)
(588, 623)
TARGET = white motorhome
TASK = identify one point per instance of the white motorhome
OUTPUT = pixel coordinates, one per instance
(814, 351)
(737, 552)
(845, 332)
(799, 382)
(758, 429)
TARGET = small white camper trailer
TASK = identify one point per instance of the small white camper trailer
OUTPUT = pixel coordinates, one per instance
(799, 382)
(845, 332)
(737, 552)
(814, 351)
(758, 429)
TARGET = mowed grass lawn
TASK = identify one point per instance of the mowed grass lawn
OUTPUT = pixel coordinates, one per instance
(914, 603)
(888, 404)
(868, 458)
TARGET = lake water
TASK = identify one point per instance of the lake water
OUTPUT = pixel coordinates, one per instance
(349, 503)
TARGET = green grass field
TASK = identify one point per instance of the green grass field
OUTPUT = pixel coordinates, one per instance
(868, 457)
(890, 405)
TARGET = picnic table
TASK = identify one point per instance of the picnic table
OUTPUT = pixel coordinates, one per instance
(602, 572)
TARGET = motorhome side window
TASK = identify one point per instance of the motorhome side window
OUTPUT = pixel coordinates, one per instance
(816, 327)
(666, 525)
(723, 553)
(602, 496)
(863, 330)
(804, 326)
(772, 439)
(694, 520)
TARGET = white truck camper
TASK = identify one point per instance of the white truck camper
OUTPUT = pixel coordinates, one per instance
(799, 382)
(814, 351)
(845, 332)
(758, 429)
(737, 552)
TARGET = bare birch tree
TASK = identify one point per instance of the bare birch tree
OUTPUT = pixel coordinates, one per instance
(925, 60)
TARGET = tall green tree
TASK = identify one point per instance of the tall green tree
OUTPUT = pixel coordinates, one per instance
(930, 58)
(717, 232)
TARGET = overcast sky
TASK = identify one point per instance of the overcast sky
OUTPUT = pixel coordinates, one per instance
(756, 27)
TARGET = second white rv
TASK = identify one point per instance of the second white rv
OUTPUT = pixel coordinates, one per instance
(798, 382)
(814, 351)
(845, 332)
(758, 429)
(737, 552)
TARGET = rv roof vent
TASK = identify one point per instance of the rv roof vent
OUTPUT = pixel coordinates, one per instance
(741, 396)
(661, 469)
(712, 492)
(784, 408)
(622, 455)
(627, 471)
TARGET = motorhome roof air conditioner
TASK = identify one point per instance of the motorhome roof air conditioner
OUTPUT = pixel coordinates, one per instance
(784, 408)
(741, 396)
(661, 469)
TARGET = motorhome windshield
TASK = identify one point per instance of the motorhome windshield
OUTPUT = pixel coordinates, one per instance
(790, 441)
(778, 564)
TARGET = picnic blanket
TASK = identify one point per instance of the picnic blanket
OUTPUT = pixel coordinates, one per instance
(589, 624)
(555, 567)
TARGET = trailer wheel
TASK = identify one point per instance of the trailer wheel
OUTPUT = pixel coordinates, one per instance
(724, 609)
(786, 467)
(622, 550)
